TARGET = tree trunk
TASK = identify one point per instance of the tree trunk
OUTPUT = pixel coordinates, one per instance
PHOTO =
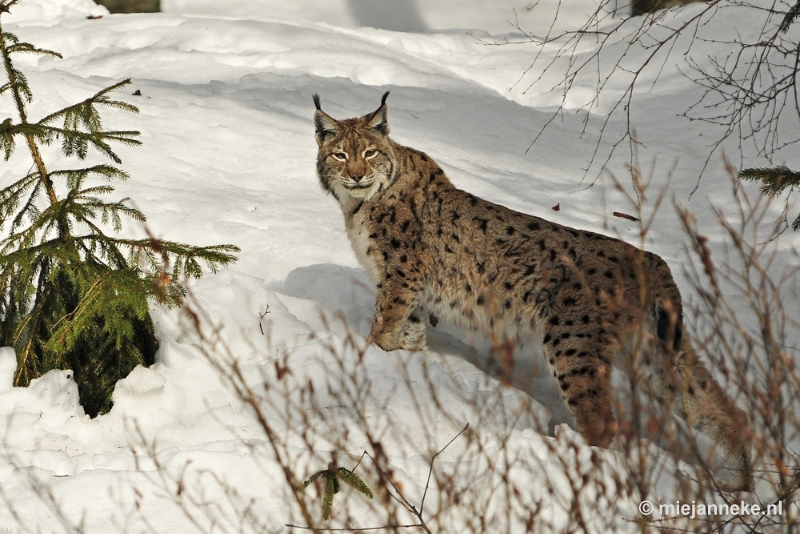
(131, 6)
(640, 7)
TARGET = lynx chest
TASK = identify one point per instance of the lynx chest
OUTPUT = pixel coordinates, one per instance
(358, 231)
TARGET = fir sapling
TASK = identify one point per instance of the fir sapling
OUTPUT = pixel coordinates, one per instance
(73, 294)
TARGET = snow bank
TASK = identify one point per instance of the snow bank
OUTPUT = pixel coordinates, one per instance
(228, 157)
(492, 16)
(37, 11)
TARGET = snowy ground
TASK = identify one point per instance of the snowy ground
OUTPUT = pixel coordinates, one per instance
(228, 157)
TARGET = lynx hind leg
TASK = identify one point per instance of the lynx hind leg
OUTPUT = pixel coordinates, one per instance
(583, 373)
(677, 378)
(706, 407)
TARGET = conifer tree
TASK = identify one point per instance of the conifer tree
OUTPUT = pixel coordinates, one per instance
(73, 295)
(775, 181)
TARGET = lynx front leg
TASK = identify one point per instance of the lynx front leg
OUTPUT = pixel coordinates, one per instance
(397, 324)
(411, 335)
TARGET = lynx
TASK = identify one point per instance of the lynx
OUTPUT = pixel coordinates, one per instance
(582, 297)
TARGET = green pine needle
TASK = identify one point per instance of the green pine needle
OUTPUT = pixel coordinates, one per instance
(775, 179)
(7, 137)
(27, 48)
(20, 85)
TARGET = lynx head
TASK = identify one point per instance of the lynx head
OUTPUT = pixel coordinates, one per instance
(355, 157)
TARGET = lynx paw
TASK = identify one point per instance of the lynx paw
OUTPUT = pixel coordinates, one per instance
(384, 341)
(411, 336)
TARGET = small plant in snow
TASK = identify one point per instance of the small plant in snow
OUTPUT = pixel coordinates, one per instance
(72, 294)
(332, 475)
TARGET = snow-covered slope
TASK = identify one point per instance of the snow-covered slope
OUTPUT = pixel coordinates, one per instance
(493, 16)
(228, 157)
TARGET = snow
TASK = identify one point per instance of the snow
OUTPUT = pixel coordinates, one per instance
(492, 16)
(228, 156)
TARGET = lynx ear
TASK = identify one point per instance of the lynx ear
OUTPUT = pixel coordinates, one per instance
(377, 119)
(324, 125)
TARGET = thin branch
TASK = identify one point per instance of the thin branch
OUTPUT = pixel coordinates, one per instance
(430, 471)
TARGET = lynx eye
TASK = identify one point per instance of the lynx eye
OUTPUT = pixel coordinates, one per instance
(369, 153)
(341, 156)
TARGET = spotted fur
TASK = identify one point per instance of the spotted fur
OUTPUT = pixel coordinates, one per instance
(583, 297)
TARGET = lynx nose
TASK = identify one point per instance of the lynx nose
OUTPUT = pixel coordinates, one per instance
(356, 177)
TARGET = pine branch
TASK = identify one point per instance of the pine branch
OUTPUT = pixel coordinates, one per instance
(28, 365)
(75, 177)
(27, 259)
(9, 129)
(20, 83)
(104, 294)
(27, 48)
(79, 207)
(46, 224)
(30, 211)
(84, 112)
(775, 179)
(82, 125)
(100, 97)
(7, 138)
(185, 257)
(100, 251)
(10, 37)
(10, 198)
(85, 207)
(25, 334)
(791, 16)
(5, 5)
(145, 255)
(76, 142)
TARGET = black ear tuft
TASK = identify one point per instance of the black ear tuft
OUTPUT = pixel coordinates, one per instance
(316, 100)
(377, 119)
